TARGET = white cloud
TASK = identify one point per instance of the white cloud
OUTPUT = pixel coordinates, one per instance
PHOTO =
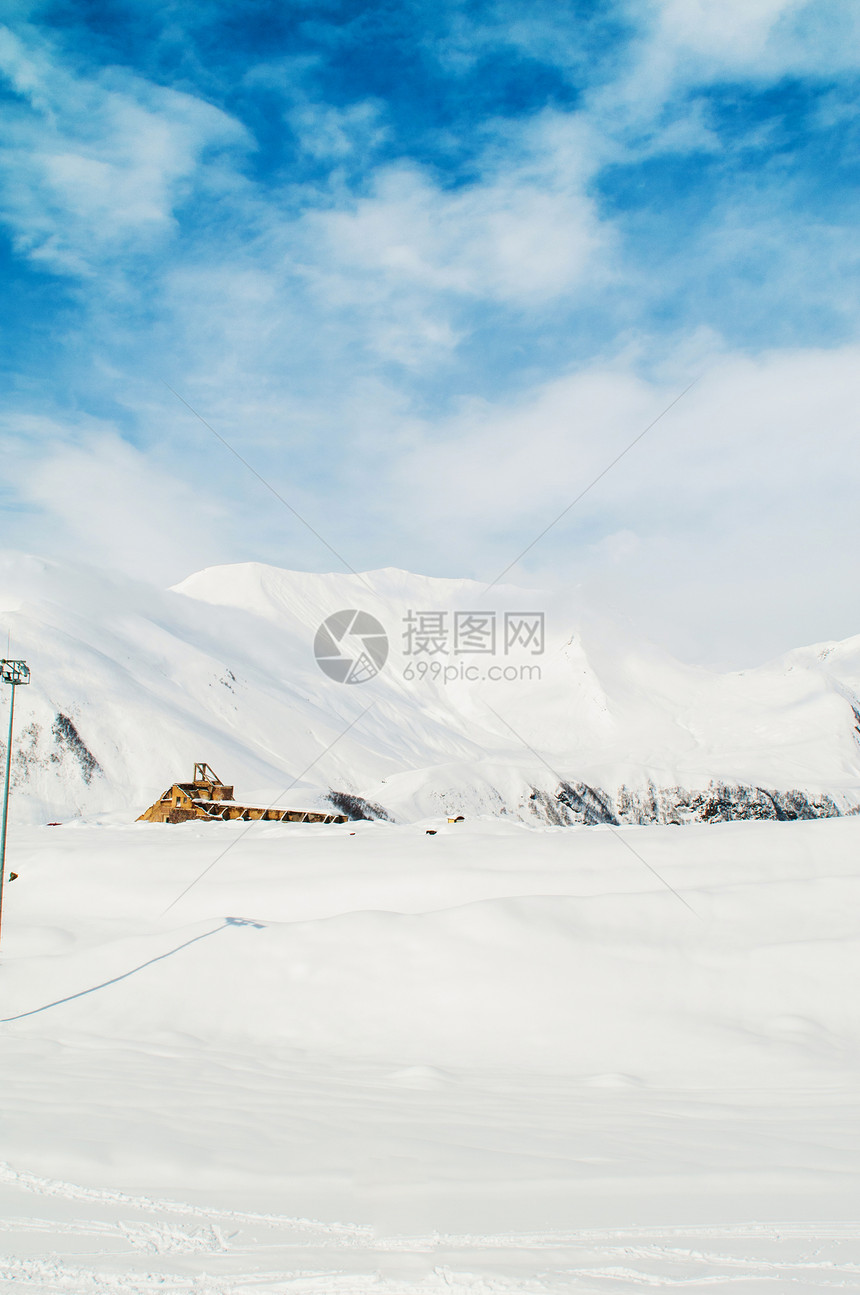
(81, 490)
(732, 523)
(523, 233)
(95, 166)
(758, 39)
(337, 134)
(498, 468)
(684, 46)
(733, 32)
(730, 531)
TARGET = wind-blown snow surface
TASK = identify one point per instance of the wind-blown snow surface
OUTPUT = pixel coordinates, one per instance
(360, 1058)
(131, 685)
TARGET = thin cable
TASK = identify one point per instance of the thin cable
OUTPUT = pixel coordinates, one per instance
(590, 486)
(34, 1011)
(266, 483)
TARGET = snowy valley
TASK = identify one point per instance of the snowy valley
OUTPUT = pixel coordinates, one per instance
(557, 1046)
(132, 685)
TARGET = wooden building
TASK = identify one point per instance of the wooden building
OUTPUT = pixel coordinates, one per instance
(207, 797)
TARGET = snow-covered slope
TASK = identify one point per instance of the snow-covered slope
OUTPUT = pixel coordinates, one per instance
(131, 685)
(360, 1060)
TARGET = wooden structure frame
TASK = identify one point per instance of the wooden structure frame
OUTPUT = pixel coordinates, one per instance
(207, 797)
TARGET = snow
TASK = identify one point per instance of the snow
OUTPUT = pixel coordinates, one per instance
(222, 669)
(361, 1058)
(507, 1056)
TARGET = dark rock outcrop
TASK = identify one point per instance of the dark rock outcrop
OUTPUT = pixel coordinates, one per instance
(717, 803)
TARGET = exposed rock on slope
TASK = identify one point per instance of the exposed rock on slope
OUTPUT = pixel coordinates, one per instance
(717, 803)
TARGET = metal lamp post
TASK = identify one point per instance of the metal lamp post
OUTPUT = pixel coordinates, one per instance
(13, 673)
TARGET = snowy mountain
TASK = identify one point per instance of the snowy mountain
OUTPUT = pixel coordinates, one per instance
(479, 707)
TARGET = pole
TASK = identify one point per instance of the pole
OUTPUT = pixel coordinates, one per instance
(5, 817)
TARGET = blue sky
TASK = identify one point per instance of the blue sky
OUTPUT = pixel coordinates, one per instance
(429, 268)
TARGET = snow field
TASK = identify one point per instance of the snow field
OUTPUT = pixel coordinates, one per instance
(498, 1058)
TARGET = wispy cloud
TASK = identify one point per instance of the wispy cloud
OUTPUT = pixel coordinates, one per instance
(84, 492)
(428, 273)
(96, 166)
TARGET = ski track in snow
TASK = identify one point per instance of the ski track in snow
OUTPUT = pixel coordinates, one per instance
(799, 1256)
(71, 1191)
